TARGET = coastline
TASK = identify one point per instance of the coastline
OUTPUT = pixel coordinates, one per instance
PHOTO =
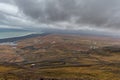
(15, 39)
(5, 35)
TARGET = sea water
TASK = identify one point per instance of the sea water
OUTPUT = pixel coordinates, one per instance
(13, 34)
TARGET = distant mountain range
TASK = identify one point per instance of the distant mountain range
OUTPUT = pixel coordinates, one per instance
(81, 32)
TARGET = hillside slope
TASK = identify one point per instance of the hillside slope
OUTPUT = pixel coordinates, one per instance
(62, 57)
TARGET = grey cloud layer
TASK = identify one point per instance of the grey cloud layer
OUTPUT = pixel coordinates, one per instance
(97, 13)
(73, 14)
(6, 1)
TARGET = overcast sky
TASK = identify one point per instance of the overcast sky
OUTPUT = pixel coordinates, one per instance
(101, 15)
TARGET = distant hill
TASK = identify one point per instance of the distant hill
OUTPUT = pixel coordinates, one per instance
(80, 32)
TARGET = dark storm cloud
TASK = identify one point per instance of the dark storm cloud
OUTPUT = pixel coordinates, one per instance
(71, 13)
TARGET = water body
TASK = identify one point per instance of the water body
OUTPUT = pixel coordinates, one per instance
(4, 35)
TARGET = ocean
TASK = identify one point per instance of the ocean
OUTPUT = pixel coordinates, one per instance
(13, 34)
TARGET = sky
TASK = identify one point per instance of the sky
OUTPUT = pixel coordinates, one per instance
(97, 15)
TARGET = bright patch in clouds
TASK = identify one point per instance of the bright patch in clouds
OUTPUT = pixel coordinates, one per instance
(8, 8)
